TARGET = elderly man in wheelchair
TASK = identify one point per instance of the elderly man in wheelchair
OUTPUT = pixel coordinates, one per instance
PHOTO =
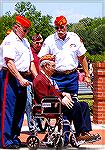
(45, 90)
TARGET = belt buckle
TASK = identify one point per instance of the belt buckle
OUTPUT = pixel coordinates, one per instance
(67, 71)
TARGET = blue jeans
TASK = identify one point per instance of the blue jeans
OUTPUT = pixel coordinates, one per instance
(29, 108)
(32, 124)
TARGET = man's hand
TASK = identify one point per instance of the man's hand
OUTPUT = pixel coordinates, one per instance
(66, 94)
(67, 101)
(87, 80)
(24, 82)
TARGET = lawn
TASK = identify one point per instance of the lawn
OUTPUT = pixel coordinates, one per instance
(88, 99)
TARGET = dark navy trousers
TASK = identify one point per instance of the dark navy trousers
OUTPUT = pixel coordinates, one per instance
(80, 113)
(12, 105)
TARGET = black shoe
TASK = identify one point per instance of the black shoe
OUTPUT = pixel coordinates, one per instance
(66, 143)
(17, 142)
(17, 146)
(12, 146)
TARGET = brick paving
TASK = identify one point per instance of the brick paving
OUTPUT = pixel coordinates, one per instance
(95, 145)
(99, 145)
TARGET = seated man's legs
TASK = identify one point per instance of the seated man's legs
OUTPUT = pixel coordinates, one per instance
(81, 120)
(75, 114)
(86, 115)
(80, 112)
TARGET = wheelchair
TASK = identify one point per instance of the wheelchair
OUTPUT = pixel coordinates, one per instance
(54, 136)
(50, 109)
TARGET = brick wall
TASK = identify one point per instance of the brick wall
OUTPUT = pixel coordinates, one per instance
(99, 93)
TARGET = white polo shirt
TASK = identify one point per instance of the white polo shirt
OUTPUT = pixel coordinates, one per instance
(17, 50)
(66, 51)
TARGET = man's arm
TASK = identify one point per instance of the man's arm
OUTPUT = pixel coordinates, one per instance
(33, 69)
(42, 89)
(12, 68)
(83, 61)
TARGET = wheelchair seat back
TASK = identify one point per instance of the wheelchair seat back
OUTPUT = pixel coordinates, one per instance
(50, 105)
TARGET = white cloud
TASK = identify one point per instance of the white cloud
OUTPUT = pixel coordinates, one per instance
(70, 15)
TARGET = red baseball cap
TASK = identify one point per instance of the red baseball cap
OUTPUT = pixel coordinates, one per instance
(23, 21)
(61, 20)
(49, 57)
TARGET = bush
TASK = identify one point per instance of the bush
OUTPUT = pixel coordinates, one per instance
(90, 103)
(96, 58)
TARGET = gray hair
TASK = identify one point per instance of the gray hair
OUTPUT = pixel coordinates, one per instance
(44, 62)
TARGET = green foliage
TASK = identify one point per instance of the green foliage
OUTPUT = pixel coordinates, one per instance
(92, 31)
(86, 21)
(6, 22)
(40, 23)
(90, 104)
(23, 7)
(96, 57)
(98, 39)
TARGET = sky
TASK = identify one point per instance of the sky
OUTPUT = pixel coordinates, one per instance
(73, 10)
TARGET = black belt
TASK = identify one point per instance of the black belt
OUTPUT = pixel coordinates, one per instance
(24, 74)
(65, 72)
(4, 68)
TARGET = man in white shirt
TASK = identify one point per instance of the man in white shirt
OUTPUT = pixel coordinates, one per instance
(69, 50)
(17, 66)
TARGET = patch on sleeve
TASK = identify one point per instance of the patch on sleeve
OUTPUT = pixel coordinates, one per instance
(72, 45)
(81, 40)
(44, 45)
(7, 43)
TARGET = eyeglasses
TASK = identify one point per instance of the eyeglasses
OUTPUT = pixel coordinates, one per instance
(24, 29)
(39, 43)
(60, 27)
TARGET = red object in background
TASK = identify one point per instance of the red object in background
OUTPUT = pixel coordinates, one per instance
(81, 76)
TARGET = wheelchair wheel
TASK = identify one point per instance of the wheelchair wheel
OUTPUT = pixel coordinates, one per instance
(73, 142)
(32, 142)
(60, 142)
(51, 140)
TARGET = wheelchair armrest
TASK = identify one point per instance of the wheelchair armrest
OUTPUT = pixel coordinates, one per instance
(36, 108)
(50, 99)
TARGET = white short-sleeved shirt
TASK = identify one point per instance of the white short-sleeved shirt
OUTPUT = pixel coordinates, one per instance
(66, 51)
(1, 57)
(17, 50)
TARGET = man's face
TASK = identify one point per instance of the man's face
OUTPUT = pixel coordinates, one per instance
(51, 67)
(61, 30)
(37, 45)
(21, 31)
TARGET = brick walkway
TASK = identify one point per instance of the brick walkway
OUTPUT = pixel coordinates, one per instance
(96, 129)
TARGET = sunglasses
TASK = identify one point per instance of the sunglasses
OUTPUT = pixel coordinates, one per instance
(39, 43)
(60, 27)
(24, 29)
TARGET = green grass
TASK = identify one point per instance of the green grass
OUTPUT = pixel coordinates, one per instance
(89, 100)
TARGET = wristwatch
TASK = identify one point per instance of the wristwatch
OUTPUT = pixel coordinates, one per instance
(88, 76)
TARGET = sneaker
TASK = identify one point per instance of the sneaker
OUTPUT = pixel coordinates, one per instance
(87, 137)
